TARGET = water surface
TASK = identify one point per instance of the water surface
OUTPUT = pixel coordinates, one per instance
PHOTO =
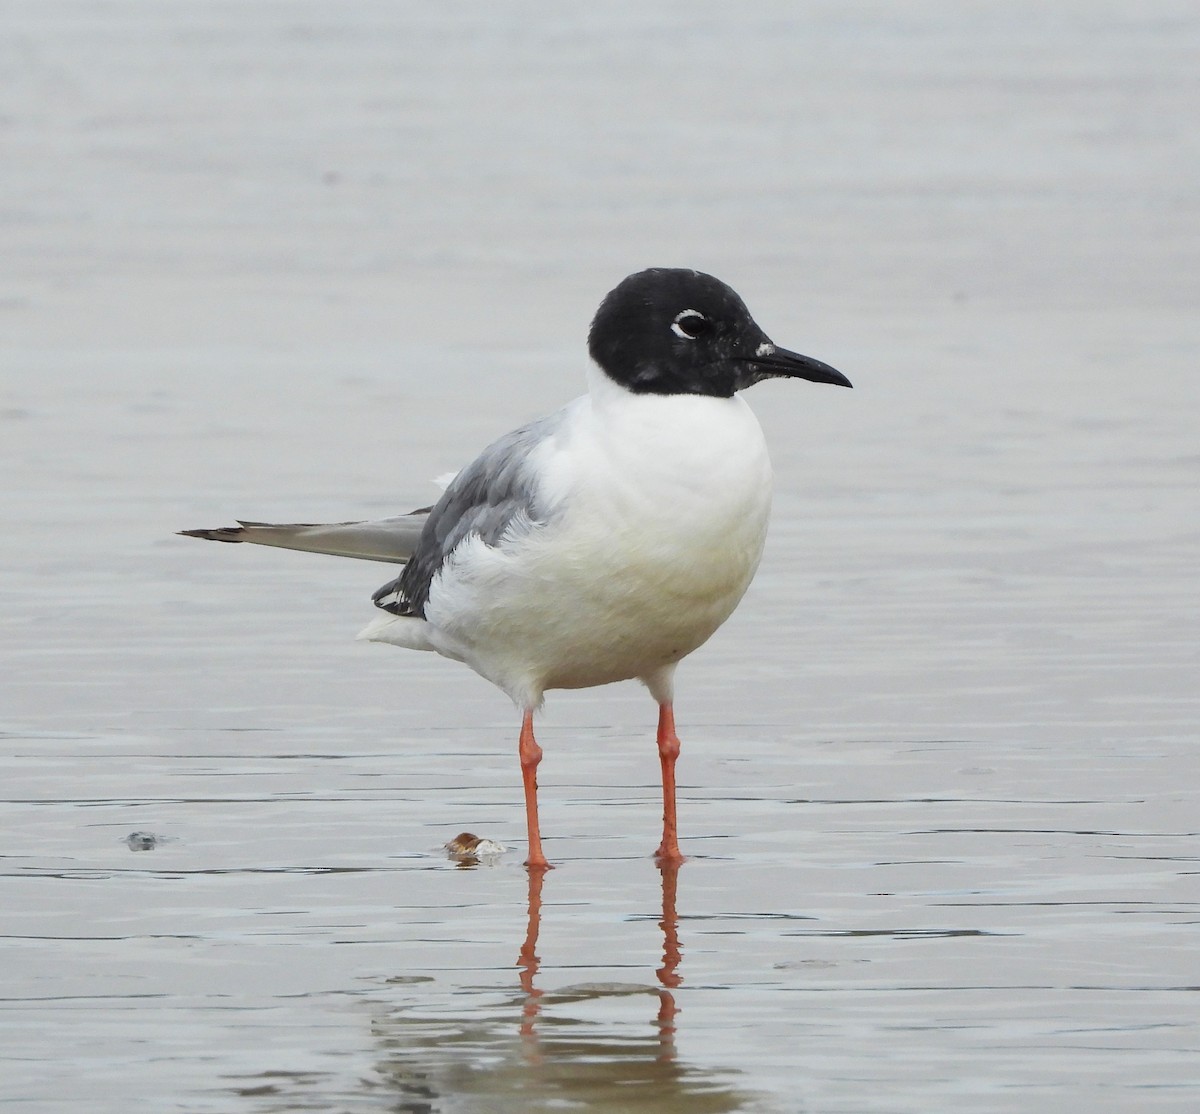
(939, 781)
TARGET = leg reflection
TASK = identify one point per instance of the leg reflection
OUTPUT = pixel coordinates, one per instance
(599, 1044)
(668, 973)
(529, 962)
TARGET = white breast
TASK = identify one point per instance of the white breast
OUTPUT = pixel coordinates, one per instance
(660, 507)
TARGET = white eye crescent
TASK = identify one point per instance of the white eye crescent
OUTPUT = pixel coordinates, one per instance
(689, 324)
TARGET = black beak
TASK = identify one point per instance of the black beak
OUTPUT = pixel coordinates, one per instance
(779, 361)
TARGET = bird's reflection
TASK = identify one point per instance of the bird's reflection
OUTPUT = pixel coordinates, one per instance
(668, 974)
(535, 1049)
(528, 960)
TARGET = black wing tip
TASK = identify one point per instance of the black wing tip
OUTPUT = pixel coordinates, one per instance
(391, 598)
(395, 607)
(226, 533)
(220, 534)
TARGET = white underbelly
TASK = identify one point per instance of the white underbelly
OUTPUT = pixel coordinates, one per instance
(623, 609)
(640, 568)
(646, 605)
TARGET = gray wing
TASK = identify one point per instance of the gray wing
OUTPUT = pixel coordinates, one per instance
(497, 492)
(386, 539)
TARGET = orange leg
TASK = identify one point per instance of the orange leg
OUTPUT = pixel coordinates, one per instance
(531, 755)
(668, 751)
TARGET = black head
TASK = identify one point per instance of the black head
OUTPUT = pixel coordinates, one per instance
(670, 331)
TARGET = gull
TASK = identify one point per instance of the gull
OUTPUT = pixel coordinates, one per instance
(604, 542)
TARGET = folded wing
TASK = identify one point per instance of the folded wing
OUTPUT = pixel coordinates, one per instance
(391, 540)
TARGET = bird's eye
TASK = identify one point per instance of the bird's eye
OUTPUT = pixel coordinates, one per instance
(690, 324)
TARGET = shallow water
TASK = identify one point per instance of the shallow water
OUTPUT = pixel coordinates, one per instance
(939, 781)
